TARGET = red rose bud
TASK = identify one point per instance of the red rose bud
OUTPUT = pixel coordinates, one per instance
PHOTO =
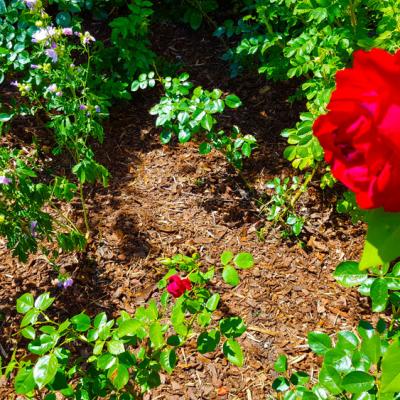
(177, 286)
(361, 132)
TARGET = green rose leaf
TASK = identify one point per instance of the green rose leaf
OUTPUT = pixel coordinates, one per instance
(168, 360)
(44, 301)
(381, 244)
(115, 347)
(390, 379)
(348, 274)
(24, 382)
(81, 322)
(30, 317)
(232, 327)
(379, 295)
(129, 327)
(319, 342)
(358, 382)
(5, 117)
(226, 257)
(25, 303)
(230, 275)
(233, 352)
(244, 260)
(281, 384)
(156, 335)
(118, 376)
(45, 370)
(205, 148)
(208, 341)
(232, 101)
(29, 332)
(346, 340)
(106, 361)
(299, 378)
(212, 302)
(330, 379)
(3, 8)
(280, 364)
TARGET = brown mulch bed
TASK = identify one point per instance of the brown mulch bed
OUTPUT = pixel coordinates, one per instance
(164, 200)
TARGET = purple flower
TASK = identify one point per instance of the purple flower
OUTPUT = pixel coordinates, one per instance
(30, 3)
(14, 83)
(82, 107)
(52, 88)
(97, 109)
(52, 54)
(59, 93)
(4, 180)
(68, 31)
(34, 66)
(33, 227)
(67, 283)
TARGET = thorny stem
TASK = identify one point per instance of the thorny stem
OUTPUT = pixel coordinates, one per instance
(353, 17)
(303, 187)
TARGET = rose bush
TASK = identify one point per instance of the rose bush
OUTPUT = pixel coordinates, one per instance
(361, 132)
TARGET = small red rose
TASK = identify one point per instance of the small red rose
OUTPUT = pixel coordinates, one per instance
(361, 132)
(177, 286)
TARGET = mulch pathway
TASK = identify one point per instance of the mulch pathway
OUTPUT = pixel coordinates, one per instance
(164, 200)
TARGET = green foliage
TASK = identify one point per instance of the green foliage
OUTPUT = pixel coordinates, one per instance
(311, 40)
(380, 283)
(363, 366)
(230, 264)
(381, 244)
(189, 113)
(125, 353)
(347, 205)
(280, 206)
(23, 219)
(192, 12)
(129, 37)
(52, 84)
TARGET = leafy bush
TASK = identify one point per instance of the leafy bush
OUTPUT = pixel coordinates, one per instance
(311, 40)
(190, 113)
(355, 366)
(124, 357)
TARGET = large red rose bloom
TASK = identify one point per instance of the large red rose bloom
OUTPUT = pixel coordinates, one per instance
(361, 132)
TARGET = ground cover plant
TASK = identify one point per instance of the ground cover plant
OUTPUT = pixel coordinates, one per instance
(155, 242)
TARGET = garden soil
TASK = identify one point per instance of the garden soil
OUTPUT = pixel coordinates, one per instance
(164, 200)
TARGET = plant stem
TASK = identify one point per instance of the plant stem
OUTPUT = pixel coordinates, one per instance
(303, 187)
(85, 211)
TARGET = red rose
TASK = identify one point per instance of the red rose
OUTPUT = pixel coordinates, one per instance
(178, 286)
(361, 132)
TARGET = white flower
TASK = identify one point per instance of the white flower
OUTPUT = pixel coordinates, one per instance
(86, 38)
(43, 34)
